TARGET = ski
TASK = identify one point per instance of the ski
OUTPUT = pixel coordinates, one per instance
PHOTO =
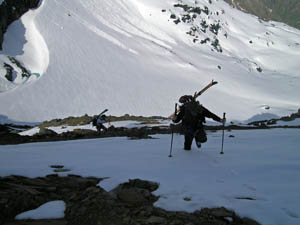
(104, 111)
(212, 83)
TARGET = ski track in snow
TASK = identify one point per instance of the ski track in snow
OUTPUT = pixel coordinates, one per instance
(96, 29)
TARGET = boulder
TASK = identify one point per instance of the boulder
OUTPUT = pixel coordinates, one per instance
(46, 132)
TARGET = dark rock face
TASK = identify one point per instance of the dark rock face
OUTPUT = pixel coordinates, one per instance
(11, 10)
(19, 194)
(130, 203)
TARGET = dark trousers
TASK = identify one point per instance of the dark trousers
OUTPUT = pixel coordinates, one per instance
(199, 135)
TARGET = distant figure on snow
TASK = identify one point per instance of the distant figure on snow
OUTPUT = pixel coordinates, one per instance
(193, 116)
(98, 122)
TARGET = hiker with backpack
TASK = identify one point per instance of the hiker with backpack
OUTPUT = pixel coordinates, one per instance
(193, 115)
(99, 121)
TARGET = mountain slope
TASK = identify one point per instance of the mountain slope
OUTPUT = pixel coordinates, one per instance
(189, 181)
(287, 11)
(139, 57)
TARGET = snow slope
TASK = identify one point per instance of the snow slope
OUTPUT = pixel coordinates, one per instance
(130, 57)
(257, 176)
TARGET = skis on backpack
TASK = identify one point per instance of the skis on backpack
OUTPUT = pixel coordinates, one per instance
(212, 83)
(196, 95)
(104, 111)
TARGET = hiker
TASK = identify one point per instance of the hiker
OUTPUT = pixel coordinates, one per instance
(193, 116)
(98, 122)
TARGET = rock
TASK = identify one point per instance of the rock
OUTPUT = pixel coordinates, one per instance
(19, 194)
(11, 10)
(187, 199)
(156, 220)
(131, 195)
(61, 170)
(149, 185)
(46, 132)
(88, 204)
(135, 191)
(221, 212)
(57, 166)
(4, 129)
(247, 221)
(83, 132)
(12, 138)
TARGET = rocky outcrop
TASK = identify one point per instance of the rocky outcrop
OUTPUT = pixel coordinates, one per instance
(19, 194)
(89, 204)
(11, 10)
(8, 136)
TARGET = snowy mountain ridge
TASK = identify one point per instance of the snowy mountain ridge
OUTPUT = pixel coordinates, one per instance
(139, 57)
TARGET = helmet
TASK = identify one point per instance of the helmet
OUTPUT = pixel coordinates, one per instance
(185, 98)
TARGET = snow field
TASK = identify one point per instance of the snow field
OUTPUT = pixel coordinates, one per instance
(262, 165)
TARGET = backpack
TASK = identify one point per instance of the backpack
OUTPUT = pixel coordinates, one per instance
(193, 113)
(94, 121)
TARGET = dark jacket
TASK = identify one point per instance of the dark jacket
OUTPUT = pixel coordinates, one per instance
(205, 113)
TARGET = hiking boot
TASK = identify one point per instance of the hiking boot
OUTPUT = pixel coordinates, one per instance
(198, 143)
(187, 148)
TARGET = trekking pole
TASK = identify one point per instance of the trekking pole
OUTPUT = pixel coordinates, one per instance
(223, 134)
(172, 128)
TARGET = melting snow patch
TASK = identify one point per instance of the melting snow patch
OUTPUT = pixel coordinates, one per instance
(49, 210)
